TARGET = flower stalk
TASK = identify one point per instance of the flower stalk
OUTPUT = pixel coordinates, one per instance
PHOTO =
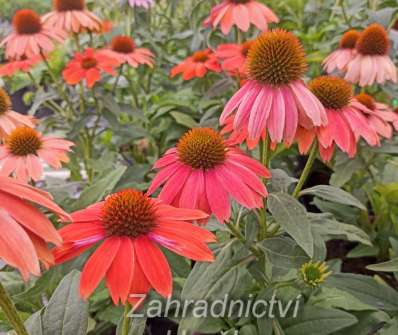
(11, 313)
(306, 171)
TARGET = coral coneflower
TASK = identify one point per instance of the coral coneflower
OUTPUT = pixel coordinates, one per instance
(25, 229)
(124, 49)
(241, 13)
(141, 3)
(9, 119)
(204, 172)
(274, 98)
(372, 62)
(72, 16)
(22, 65)
(197, 65)
(346, 125)
(30, 38)
(345, 53)
(380, 116)
(88, 66)
(130, 228)
(233, 57)
(25, 149)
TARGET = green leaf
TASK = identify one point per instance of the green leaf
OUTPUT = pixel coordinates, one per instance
(136, 326)
(334, 194)
(34, 323)
(280, 181)
(389, 266)
(292, 217)
(184, 119)
(248, 330)
(363, 251)
(344, 169)
(100, 188)
(366, 289)
(66, 313)
(315, 321)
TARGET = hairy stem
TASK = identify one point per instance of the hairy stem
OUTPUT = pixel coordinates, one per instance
(306, 171)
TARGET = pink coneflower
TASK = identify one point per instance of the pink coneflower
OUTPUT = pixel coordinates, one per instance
(129, 228)
(372, 62)
(197, 65)
(30, 38)
(346, 125)
(26, 230)
(241, 13)
(72, 16)
(25, 149)
(233, 57)
(204, 172)
(274, 98)
(88, 66)
(9, 119)
(22, 65)
(124, 50)
(141, 3)
(346, 52)
(380, 116)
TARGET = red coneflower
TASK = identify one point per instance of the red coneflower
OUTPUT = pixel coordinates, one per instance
(124, 49)
(241, 13)
(233, 57)
(72, 16)
(25, 229)
(346, 125)
(22, 65)
(380, 116)
(88, 66)
(372, 62)
(345, 53)
(30, 38)
(197, 65)
(23, 150)
(203, 171)
(9, 119)
(274, 98)
(130, 226)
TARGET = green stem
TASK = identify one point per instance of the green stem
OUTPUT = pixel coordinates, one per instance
(264, 158)
(306, 171)
(347, 20)
(11, 313)
(126, 319)
(117, 79)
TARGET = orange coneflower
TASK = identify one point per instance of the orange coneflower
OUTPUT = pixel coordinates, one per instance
(241, 13)
(9, 119)
(72, 16)
(19, 65)
(25, 229)
(25, 148)
(346, 122)
(233, 57)
(205, 172)
(274, 99)
(197, 65)
(30, 38)
(124, 49)
(88, 66)
(372, 63)
(380, 116)
(129, 228)
(345, 53)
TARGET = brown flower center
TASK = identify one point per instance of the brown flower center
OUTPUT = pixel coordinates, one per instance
(66, 5)
(349, 39)
(366, 100)
(26, 22)
(23, 141)
(373, 41)
(128, 213)
(333, 92)
(5, 102)
(276, 58)
(246, 47)
(200, 57)
(123, 44)
(201, 148)
(89, 62)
